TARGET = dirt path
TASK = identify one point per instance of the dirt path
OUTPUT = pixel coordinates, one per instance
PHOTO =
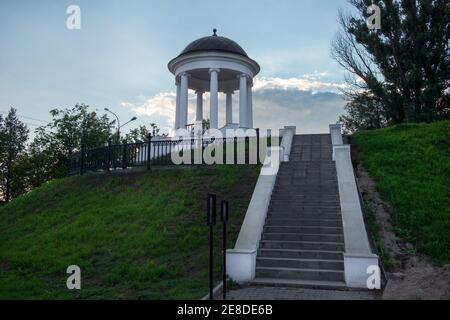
(413, 276)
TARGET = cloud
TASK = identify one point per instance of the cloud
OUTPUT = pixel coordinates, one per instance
(161, 104)
(316, 75)
(308, 103)
(306, 83)
(310, 112)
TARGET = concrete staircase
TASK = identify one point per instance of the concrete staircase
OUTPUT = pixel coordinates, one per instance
(302, 241)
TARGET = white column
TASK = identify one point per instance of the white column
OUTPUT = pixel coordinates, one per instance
(243, 101)
(199, 110)
(229, 107)
(249, 106)
(184, 100)
(177, 107)
(214, 89)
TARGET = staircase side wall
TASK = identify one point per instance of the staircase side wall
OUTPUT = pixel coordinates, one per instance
(241, 261)
(358, 256)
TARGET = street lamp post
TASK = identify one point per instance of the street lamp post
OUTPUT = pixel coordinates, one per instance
(132, 119)
(118, 123)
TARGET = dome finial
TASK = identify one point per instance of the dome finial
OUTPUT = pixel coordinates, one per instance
(215, 32)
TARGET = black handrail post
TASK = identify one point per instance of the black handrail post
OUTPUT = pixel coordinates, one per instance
(235, 147)
(211, 221)
(224, 217)
(82, 161)
(247, 149)
(149, 149)
(257, 145)
(124, 155)
(224, 148)
(108, 164)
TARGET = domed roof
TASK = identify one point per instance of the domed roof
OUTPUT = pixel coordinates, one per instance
(214, 43)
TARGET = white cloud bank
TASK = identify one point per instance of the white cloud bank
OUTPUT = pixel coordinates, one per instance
(307, 83)
(307, 102)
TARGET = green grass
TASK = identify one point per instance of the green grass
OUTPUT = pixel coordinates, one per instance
(411, 166)
(135, 235)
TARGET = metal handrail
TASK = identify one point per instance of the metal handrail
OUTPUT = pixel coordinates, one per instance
(152, 152)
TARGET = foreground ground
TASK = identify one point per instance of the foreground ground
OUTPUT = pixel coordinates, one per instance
(135, 235)
(291, 293)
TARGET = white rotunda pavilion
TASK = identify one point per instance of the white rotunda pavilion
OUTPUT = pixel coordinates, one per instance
(215, 64)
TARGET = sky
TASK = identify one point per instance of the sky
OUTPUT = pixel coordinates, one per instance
(118, 59)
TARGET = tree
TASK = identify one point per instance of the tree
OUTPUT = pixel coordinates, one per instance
(13, 137)
(70, 129)
(141, 133)
(363, 112)
(404, 66)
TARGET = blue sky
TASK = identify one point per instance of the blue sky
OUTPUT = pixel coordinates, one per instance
(119, 57)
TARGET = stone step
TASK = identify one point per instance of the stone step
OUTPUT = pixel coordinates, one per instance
(310, 148)
(301, 168)
(303, 237)
(302, 245)
(303, 230)
(305, 191)
(297, 157)
(318, 207)
(303, 215)
(304, 196)
(290, 197)
(308, 169)
(304, 188)
(300, 254)
(299, 263)
(307, 214)
(315, 164)
(307, 210)
(298, 202)
(311, 284)
(302, 156)
(272, 221)
(307, 174)
(307, 188)
(287, 177)
(305, 182)
(297, 273)
(302, 176)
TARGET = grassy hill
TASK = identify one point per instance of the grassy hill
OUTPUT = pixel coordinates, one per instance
(411, 166)
(135, 235)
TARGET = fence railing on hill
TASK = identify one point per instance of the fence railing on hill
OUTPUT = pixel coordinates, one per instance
(159, 151)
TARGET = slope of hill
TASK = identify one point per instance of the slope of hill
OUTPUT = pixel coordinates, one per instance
(135, 235)
(411, 168)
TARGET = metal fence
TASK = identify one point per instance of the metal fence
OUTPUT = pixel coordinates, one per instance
(160, 151)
